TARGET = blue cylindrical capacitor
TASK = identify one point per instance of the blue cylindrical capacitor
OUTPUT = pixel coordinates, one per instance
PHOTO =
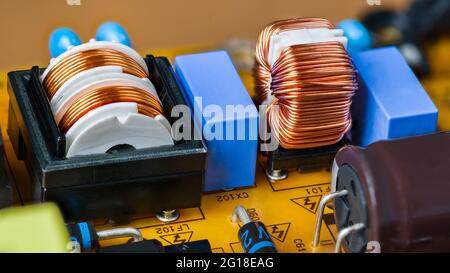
(359, 38)
(61, 40)
(113, 32)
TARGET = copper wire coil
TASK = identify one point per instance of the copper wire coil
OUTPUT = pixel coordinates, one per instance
(147, 104)
(82, 61)
(312, 87)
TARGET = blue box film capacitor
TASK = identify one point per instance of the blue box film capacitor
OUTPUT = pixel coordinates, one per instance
(390, 103)
(229, 119)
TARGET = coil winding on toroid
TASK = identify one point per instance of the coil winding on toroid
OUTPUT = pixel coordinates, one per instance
(101, 97)
(306, 78)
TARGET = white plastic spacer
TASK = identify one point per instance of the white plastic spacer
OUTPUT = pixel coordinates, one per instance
(116, 124)
(78, 81)
(91, 79)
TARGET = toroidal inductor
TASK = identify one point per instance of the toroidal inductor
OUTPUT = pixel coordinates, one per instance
(101, 97)
(307, 79)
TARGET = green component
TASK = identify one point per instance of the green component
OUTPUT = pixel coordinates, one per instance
(33, 229)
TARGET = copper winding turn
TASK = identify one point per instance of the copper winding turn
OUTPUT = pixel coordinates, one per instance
(147, 104)
(76, 63)
(312, 85)
(84, 60)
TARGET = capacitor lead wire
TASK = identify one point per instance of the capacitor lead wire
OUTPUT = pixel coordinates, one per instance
(310, 87)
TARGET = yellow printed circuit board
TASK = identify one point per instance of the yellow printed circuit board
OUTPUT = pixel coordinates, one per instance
(288, 208)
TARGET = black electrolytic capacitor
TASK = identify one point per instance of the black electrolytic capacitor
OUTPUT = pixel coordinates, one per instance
(399, 190)
(253, 236)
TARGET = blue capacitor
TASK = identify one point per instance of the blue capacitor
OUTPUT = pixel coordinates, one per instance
(228, 117)
(61, 40)
(390, 103)
(359, 38)
(113, 32)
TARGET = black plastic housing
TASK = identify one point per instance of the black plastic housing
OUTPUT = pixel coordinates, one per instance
(112, 185)
(5, 185)
(312, 159)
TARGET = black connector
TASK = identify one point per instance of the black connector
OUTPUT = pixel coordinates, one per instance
(305, 160)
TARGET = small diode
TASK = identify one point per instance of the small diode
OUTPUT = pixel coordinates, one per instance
(253, 236)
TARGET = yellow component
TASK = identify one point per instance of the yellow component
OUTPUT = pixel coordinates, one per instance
(33, 229)
(247, 79)
(389, 36)
(439, 90)
(438, 54)
(437, 83)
